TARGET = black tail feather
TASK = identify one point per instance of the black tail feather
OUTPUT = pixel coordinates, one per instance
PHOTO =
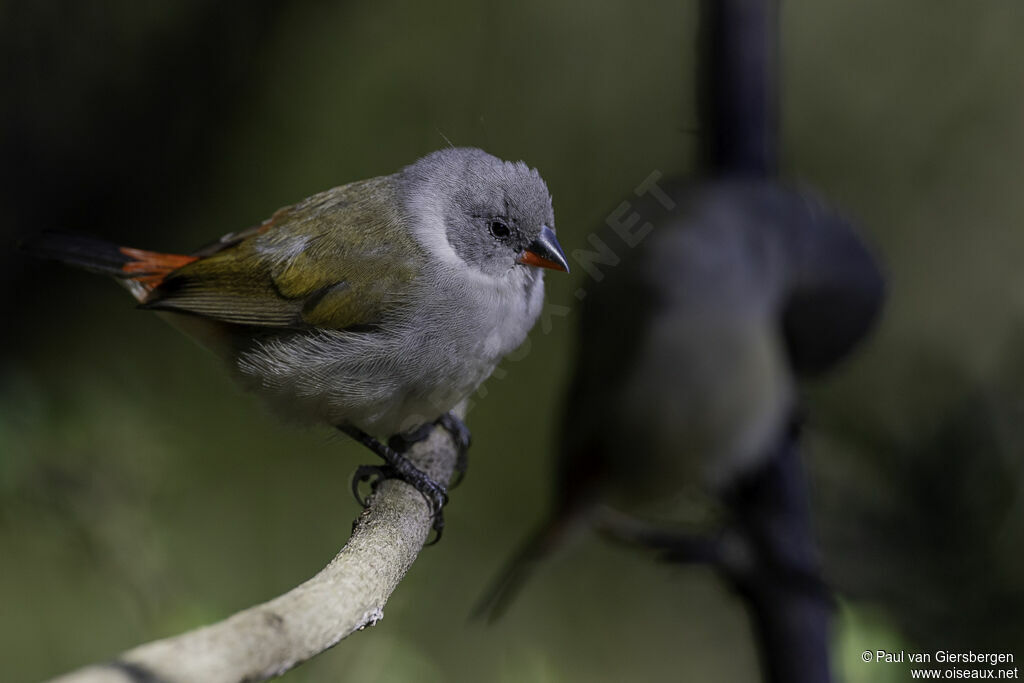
(79, 250)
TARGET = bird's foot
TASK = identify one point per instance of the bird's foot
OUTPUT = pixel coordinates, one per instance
(435, 494)
(374, 474)
(400, 443)
(462, 437)
(398, 466)
(459, 433)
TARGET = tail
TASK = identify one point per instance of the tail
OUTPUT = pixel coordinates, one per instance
(138, 270)
(545, 540)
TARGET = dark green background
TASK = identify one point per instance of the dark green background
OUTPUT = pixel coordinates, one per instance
(141, 493)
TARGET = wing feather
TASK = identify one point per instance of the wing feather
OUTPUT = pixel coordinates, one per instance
(337, 260)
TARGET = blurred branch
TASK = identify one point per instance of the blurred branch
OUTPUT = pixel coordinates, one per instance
(779, 576)
(776, 570)
(346, 596)
(738, 86)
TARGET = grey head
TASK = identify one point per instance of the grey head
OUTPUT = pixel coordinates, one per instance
(496, 215)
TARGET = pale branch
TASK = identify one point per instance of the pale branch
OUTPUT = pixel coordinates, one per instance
(345, 596)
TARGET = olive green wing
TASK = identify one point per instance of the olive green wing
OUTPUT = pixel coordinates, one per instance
(337, 260)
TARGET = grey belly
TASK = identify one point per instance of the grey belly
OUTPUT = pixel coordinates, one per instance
(382, 383)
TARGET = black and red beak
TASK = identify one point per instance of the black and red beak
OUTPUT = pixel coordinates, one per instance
(545, 252)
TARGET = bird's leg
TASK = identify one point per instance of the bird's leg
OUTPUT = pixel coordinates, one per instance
(673, 545)
(459, 432)
(455, 427)
(397, 466)
(373, 474)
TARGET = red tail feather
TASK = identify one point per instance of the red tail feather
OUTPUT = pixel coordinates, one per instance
(149, 268)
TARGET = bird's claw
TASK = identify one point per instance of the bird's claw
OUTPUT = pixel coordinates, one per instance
(374, 474)
(457, 428)
(435, 494)
(437, 498)
(462, 437)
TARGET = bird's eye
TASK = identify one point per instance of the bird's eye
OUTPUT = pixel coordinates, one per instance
(499, 229)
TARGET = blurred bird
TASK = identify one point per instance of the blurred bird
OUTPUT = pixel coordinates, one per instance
(691, 346)
(376, 306)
